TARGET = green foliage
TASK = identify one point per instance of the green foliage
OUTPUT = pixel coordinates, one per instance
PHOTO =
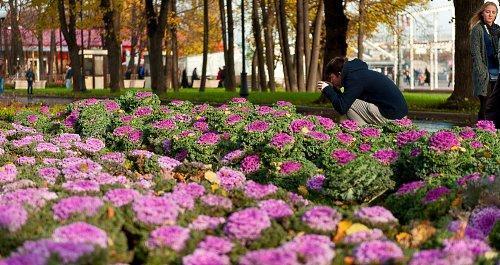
(94, 121)
(130, 101)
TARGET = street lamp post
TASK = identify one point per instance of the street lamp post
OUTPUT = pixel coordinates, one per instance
(244, 86)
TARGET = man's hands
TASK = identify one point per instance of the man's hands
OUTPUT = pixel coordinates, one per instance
(321, 85)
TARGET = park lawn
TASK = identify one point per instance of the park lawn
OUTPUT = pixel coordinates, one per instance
(418, 101)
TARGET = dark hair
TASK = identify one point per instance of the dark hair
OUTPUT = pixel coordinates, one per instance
(335, 66)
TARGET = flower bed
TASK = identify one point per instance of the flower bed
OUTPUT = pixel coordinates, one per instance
(133, 181)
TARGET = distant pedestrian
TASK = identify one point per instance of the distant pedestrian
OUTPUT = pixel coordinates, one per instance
(484, 46)
(427, 79)
(195, 75)
(69, 76)
(141, 72)
(30, 77)
(450, 77)
(221, 76)
(184, 79)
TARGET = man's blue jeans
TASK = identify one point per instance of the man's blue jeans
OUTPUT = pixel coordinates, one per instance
(1, 85)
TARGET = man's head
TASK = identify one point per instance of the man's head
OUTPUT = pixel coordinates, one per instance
(333, 71)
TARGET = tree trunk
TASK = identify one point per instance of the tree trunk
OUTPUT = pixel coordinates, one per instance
(155, 30)
(463, 61)
(205, 46)
(175, 49)
(52, 54)
(285, 51)
(255, 84)
(41, 66)
(68, 28)
(230, 74)
(361, 29)
(299, 46)
(268, 38)
(16, 44)
(60, 52)
(312, 75)
(307, 32)
(111, 20)
(134, 39)
(222, 12)
(282, 47)
(336, 23)
(259, 46)
(168, 59)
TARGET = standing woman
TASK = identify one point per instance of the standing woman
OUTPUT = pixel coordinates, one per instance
(484, 46)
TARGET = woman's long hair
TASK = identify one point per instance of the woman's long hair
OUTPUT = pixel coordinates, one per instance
(478, 15)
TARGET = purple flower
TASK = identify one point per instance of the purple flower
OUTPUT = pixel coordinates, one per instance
(278, 256)
(363, 236)
(290, 167)
(316, 182)
(264, 110)
(217, 201)
(173, 237)
(111, 105)
(204, 222)
(49, 174)
(81, 232)
(143, 95)
(12, 217)
(47, 147)
(91, 145)
(411, 187)
(484, 219)
(377, 251)
(415, 152)
(167, 163)
(247, 224)
(250, 164)
(114, 157)
(299, 125)
(201, 126)
(312, 249)
(282, 103)
(239, 100)
(258, 126)
(208, 139)
(472, 178)
(233, 119)
(343, 156)
(467, 133)
(8, 173)
(26, 160)
(143, 111)
(230, 179)
(204, 257)
(66, 207)
(181, 198)
(318, 136)
(435, 257)
(155, 210)
(350, 125)
(276, 208)
(376, 215)
(217, 245)
(141, 153)
(32, 197)
(404, 122)
(232, 156)
(68, 252)
(120, 197)
(345, 138)
(326, 123)
(406, 137)
(280, 140)
(443, 141)
(435, 194)
(164, 125)
(322, 218)
(466, 247)
(365, 147)
(193, 189)
(370, 132)
(386, 156)
(476, 144)
(485, 125)
(257, 191)
(81, 186)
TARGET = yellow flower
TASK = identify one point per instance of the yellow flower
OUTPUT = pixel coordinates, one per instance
(303, 190)
(214, 187)
(357, 227)
(212, 177)
(304, 130)
(404, 239)
(421, 233)
(341, 229)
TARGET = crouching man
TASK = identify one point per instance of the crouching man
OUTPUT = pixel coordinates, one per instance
(368, 97)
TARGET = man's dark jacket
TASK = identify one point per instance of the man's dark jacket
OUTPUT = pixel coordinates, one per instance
(361, 83)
